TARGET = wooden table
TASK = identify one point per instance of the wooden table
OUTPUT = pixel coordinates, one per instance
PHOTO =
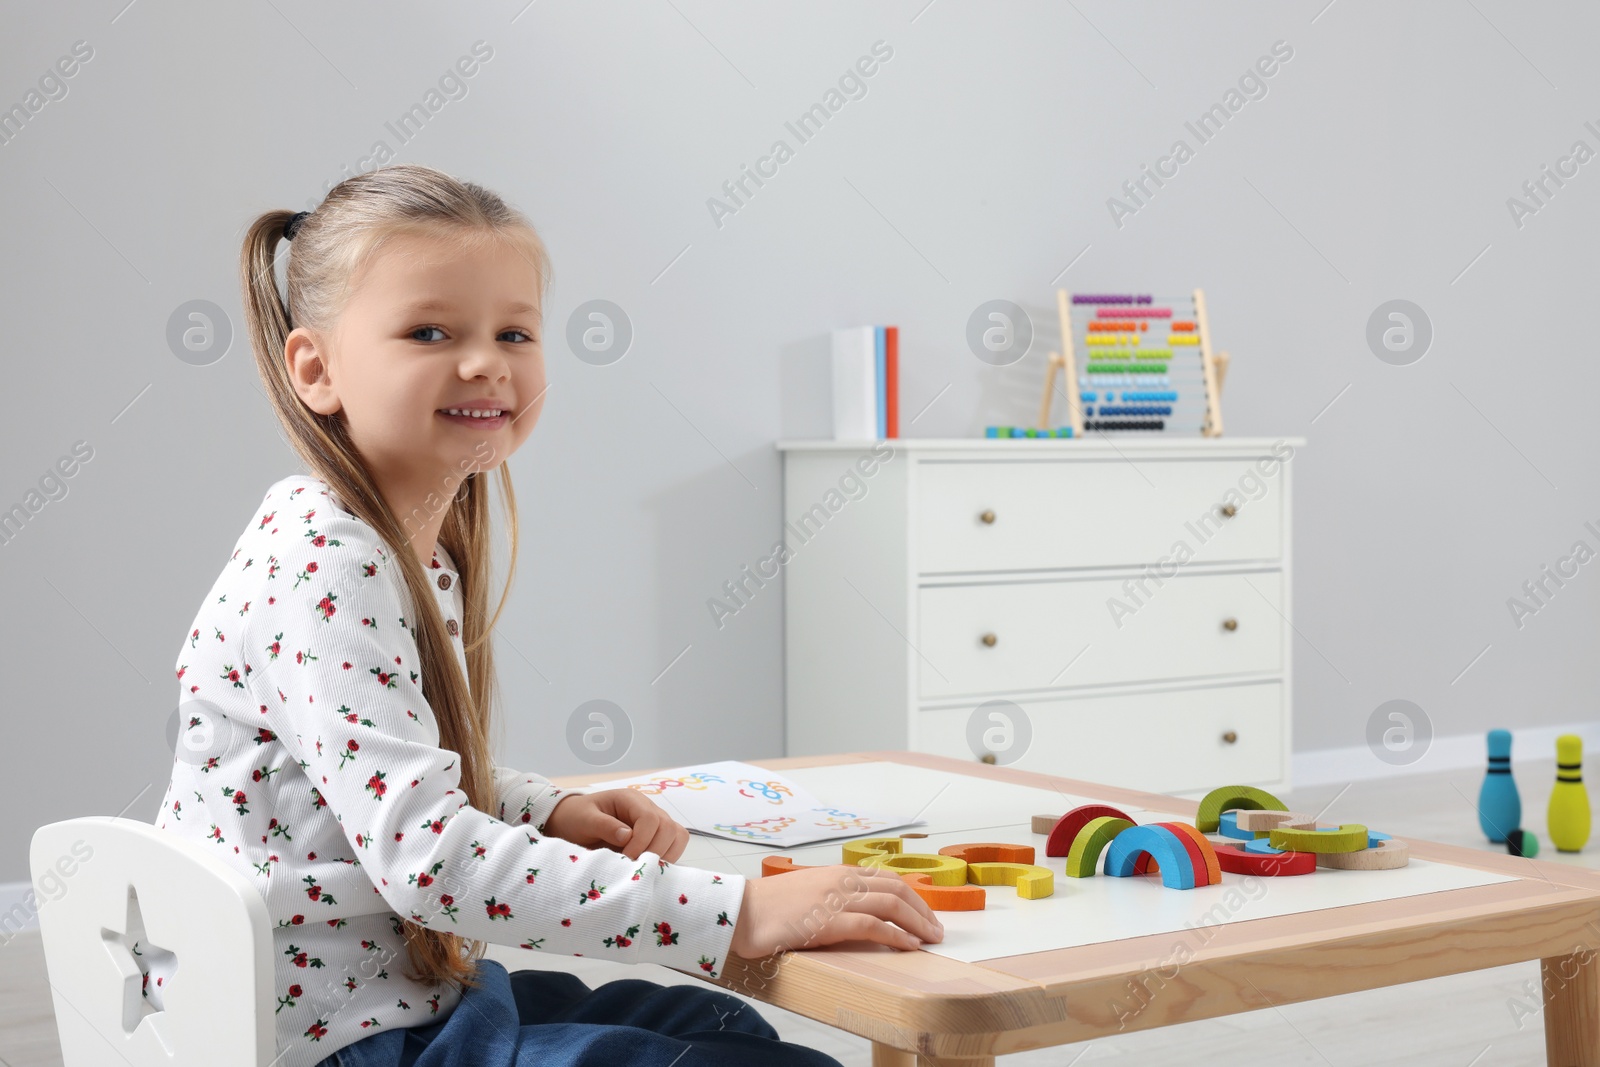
(921, 1008)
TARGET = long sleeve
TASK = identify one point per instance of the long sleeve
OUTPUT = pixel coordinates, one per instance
(351, 710)
(526, 798)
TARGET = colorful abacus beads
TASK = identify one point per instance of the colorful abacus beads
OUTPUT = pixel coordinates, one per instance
(1026, 431)
(1109, 298)
(1107, 410)
(1126, 368)
(1125, 424)
(1133, 313)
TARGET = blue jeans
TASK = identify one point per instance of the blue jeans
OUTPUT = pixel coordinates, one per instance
(552, 1019)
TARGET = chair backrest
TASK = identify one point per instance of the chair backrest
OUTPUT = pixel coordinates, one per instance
(87, 875)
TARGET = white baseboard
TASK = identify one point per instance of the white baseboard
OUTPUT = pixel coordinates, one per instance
(1454, 752)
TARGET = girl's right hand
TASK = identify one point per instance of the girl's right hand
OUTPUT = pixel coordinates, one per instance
(822, 905)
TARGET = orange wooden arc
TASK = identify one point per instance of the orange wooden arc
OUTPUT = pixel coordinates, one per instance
(989, 852)
(771, 865)
(967, 897)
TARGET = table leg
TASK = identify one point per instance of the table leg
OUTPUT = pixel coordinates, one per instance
(1572, 1009)
(889, 1056)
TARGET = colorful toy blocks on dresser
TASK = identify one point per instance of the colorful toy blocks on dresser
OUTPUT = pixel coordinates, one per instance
(1026, 431)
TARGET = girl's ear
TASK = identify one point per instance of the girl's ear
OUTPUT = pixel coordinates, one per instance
(308, 372)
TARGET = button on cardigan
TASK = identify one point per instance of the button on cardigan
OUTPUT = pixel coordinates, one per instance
(309, 760)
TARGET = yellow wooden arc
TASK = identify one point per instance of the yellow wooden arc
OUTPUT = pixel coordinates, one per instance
(1031, 880)
(943, 870)
(856, 851)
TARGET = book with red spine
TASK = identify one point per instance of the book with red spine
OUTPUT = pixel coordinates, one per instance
(892, 378)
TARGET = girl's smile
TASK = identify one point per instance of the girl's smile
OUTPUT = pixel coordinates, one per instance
(490, 414)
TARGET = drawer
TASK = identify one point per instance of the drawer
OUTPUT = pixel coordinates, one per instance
(1161, 742)
(1124, 634)
(1046, 514)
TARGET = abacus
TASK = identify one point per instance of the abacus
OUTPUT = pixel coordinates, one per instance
(1147, 365)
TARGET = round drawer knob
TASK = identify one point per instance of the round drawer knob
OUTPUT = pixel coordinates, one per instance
(1230, 625)
(987, 757)
(987, 517)
(1228, 511)
(989, 640)
(1230, 737)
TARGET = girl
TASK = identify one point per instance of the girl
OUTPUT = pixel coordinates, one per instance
(338, 685)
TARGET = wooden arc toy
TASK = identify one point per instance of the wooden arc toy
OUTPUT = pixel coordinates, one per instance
(946, 897)
(1232, 796)
(1349, 837)
(1236, 860)
(1172, 852)
(856, 851)
(1261, 823)
(1202, 853)
(943, 870)
(1066, 828)
(992, 863)
(1228, 826)
(1092, 840)
(1387, 855)
(963, 897)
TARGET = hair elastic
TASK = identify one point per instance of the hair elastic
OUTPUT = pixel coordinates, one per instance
(293, 225)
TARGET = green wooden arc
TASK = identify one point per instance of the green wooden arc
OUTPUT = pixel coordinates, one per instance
(1229, 797)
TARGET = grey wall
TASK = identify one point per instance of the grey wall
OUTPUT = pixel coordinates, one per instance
(978, 165)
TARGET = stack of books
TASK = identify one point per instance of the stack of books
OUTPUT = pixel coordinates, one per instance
(866, 383)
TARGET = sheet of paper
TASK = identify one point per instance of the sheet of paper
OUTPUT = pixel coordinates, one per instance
(741, 802)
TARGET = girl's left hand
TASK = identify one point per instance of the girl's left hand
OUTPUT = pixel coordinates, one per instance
(621, 819)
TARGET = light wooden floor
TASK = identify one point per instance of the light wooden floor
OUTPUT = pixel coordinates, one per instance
(1478, 1019)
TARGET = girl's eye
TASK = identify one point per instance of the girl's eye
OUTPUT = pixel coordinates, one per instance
(527, 337)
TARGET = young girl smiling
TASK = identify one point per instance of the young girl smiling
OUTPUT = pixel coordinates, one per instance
(338, 686)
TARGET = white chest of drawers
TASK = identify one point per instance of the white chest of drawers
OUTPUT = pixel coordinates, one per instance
(1115, 610)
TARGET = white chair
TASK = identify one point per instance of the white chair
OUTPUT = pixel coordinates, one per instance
(102, 883)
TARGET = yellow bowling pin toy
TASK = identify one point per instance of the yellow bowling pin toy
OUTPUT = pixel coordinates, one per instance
(1569, 800)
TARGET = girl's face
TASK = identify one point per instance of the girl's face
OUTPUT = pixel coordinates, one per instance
(430, 327)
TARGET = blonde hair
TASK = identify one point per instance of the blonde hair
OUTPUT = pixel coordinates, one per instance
(332, 244)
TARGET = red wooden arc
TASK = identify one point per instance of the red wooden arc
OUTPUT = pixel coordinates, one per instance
(1062, 834)
(1236, 860)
